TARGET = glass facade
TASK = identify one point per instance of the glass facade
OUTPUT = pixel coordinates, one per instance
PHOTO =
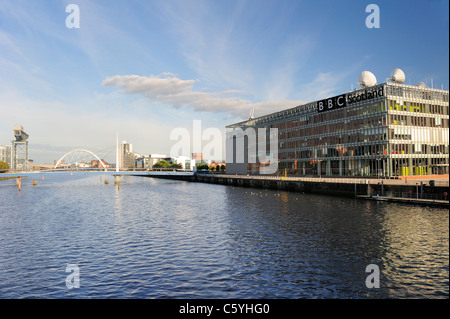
(402, 131)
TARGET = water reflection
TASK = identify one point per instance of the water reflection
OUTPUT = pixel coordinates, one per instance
(416, 251)
(329, 242)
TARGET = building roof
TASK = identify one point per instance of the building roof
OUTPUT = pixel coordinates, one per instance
(313, 105)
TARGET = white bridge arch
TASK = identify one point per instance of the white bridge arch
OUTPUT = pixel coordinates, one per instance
(79, 150)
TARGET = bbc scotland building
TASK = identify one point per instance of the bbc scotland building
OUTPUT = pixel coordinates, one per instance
(385, 130)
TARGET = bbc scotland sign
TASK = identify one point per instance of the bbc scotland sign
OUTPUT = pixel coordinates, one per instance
(344, 100)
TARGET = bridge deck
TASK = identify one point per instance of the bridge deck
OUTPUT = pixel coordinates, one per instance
(113, 173)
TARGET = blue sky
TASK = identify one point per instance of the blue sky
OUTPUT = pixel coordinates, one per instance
(143, 68)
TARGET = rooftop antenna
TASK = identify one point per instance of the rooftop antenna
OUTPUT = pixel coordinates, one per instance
(432, 83)
(422, 85)
(251, 114)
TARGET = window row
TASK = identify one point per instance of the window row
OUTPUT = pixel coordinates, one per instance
(341, 127)
(397, 119)
(325, 152)
(418, 107)
(417, 93)
(419, 148)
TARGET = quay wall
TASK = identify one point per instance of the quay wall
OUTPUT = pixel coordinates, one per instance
(368, 187)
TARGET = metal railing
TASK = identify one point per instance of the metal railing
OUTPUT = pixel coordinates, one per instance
(414, 195)
(347, 180)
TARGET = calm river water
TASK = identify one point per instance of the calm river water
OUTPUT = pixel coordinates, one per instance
(156, 238)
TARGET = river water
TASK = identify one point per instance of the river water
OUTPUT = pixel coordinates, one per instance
(155, 238)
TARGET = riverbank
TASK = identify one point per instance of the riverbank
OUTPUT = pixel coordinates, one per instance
(5, 178)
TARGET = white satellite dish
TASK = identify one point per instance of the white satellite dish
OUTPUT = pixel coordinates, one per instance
(422, 85)
(398, 76)
(366, 79)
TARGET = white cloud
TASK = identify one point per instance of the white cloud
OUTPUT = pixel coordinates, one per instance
(180, 93)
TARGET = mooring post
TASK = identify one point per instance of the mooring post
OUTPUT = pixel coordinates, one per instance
(368, 187)
(117, 181)
(421, 189)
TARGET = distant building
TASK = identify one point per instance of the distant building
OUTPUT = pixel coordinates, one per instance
(62, 163)
(152, 159)
(42, 167)
(197, 156)
(19, 152)
(96, 164)
(214, 165)
(5, 154)
(147, 162)
(126, 156)
(81, 164)
(186, 162)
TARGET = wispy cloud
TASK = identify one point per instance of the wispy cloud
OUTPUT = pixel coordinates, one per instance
(180, 93)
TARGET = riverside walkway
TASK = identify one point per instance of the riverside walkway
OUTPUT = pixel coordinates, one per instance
(412, 201)
(439, 180)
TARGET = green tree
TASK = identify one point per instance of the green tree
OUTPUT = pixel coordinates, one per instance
(3, 166)
(175, 165)
(166, 164)
(202, 166)
(161, 164)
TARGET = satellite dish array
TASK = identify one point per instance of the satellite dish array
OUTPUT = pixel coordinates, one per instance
(368, 79)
